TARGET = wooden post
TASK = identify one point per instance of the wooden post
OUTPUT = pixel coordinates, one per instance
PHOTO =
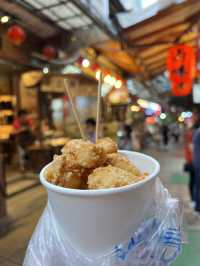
(3, 211)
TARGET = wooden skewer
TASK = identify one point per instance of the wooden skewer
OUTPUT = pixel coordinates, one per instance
(74, 109)
(98, 106)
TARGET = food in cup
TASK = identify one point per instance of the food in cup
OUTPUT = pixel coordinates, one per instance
(107, 145)
(84, 153)
(119, 161)
(111, 177)
(85, 165)
(64, 171)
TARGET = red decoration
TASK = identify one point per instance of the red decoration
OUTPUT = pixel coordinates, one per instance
(182, 68)
(198, 52)
(105, 72)
(95, 67)
(49, 52)
(16, 35)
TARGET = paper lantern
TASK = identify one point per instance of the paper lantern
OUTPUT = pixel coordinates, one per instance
(49, 52)
(198, 52)
(16, 35)
(181, 66)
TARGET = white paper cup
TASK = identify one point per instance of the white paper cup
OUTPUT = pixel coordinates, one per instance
(94, 221)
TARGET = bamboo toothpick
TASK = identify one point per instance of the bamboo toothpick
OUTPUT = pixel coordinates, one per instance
(74, 109)
(98, 106)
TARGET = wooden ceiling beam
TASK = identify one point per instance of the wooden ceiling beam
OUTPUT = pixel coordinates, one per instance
(155, 58)
(177, 14)
(161, 14)
(193, 20)
(157, 64)
(160, 50)
(179, 26)
(157, 71)
(148, 53)
(174, 39)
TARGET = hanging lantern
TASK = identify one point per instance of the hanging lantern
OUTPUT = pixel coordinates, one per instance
(49, 52)
(181, 89)
(181, 67)
(198, 52)
(16, 35)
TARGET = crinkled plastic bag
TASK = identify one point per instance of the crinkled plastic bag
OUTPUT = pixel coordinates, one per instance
(157, 242)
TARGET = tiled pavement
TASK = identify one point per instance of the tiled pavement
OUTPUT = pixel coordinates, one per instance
(26, 208)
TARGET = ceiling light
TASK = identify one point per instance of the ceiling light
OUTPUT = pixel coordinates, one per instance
(112, 81)
(135, 108)
(163, 116)
(181, 119)
(5, 19)
(85, 63)
(98, 73)
(108, 79)
(186, 114)
(118, 84)
(143, 103)
(45, 70)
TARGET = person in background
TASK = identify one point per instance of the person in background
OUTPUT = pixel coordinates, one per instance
(90, 125)
(165, 135)
(196, 164)
(22, 121)
(175, 131)
(22, 125)
(188, 166)
(125, 141)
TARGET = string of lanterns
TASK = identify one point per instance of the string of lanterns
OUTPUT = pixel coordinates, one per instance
(113, 80)
(17, 36)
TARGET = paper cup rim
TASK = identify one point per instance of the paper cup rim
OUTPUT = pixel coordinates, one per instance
(101, 192)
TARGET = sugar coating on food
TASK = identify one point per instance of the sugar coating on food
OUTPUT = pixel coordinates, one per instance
(107, 144)
(120, 161)
(110, 177)
(85, 153)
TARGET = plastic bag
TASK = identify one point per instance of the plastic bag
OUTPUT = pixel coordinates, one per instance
(157, 242)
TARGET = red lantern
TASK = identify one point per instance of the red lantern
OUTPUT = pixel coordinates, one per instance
(182, 68)
(49, 52)
(181, 89)
(198, 52)
(16, 35)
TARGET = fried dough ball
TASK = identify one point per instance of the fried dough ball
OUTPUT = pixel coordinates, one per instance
(110, 177)
(120, 161)
(85, 153)
(107, 144)
(64, 172)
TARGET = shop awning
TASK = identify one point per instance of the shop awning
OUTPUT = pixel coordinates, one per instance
(143, 47)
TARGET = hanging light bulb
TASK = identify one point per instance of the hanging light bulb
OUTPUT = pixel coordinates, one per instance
(98, 73)
(85, 63)
(118, 84)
